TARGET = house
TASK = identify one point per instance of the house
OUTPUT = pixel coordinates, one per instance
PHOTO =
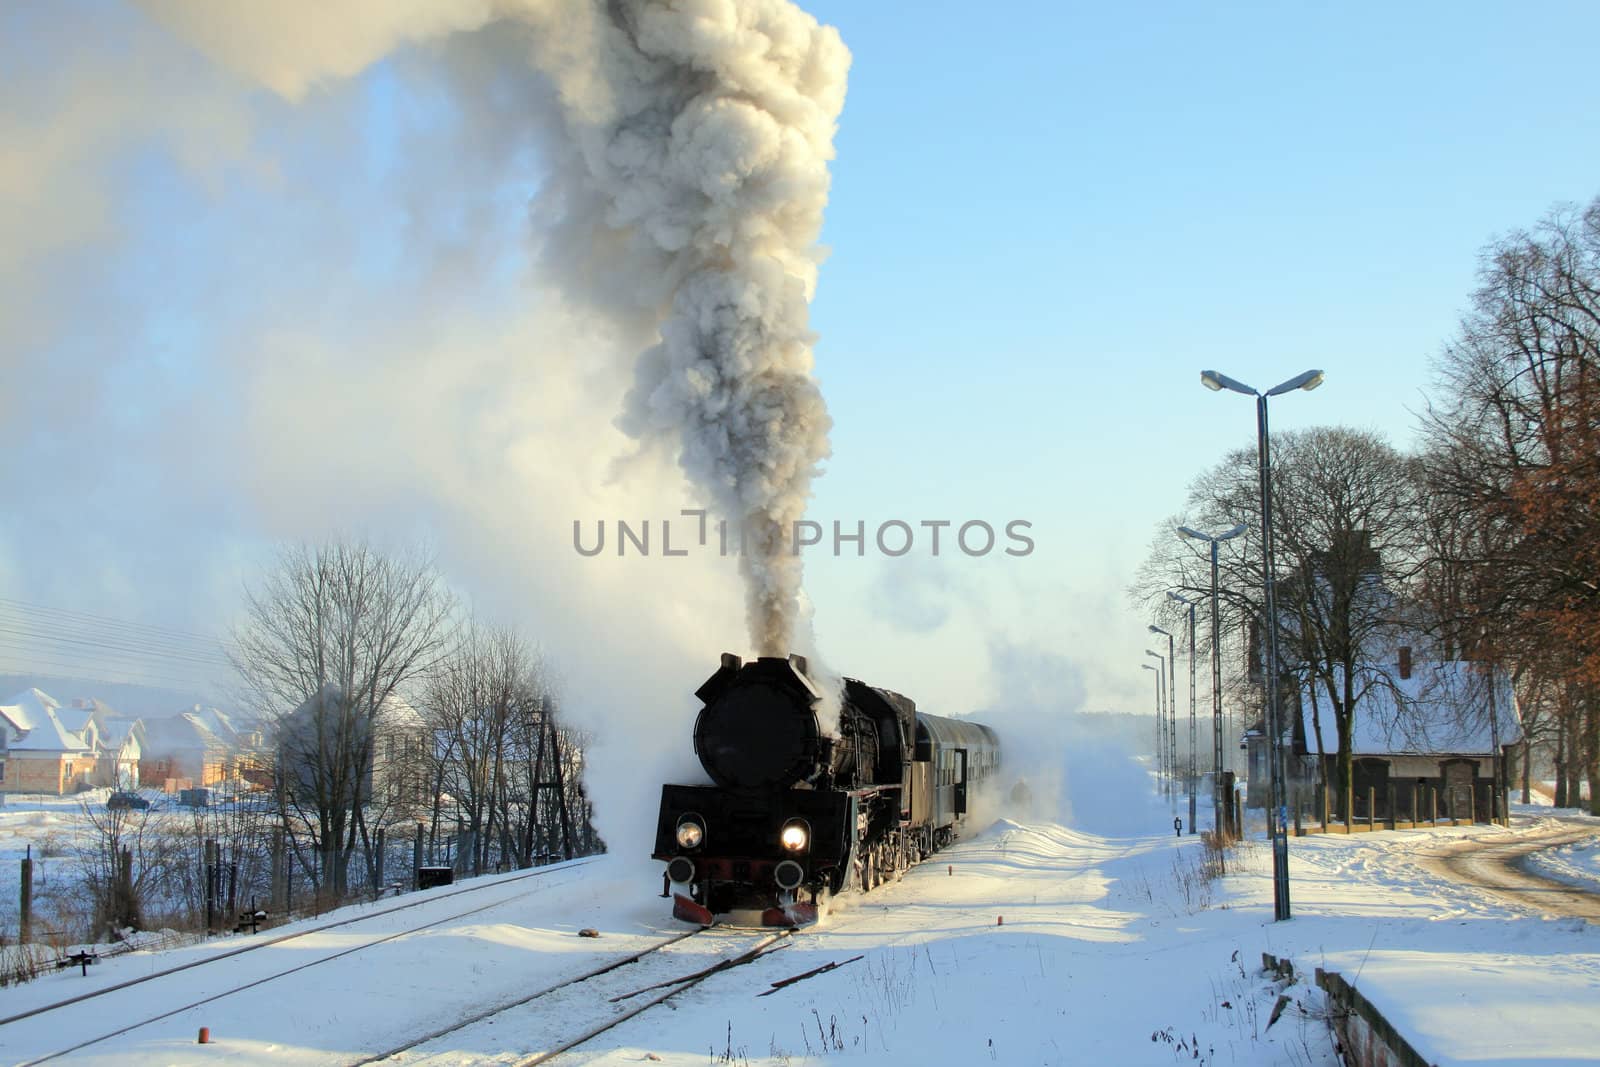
(394, 742)
(194, 748)
(1426, 734)
(114, 737)
(41, 752)
(50, 747)
(80, 721)
(400, 769)
(121, 743)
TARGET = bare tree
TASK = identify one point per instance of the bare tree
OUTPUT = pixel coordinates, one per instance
(507, 768)
(1514, 434)
(1349, 532)
(472, 700)
(334, 636)
(1346, 534)
(117, 871)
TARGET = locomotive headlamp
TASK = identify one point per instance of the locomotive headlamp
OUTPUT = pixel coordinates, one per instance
(795, 836)
(691, 831)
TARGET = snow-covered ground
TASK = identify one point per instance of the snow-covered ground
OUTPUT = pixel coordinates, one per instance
(54, 831)
(51, 826)
(1577, 865)
(1464, 976)
(64, 833)
(1112, 950)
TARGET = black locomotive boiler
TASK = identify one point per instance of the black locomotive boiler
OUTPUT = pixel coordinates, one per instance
(799, 813)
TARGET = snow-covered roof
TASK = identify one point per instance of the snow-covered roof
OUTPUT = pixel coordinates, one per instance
(393, 712)
(115, 733)
(29, 709)
(176, 733)
(396, 714)
(1441, 709)
(73, 718)
(214, 722)
(78, 720)
(49, 734)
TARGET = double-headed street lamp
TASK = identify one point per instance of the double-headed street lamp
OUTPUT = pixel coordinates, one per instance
(1161, 753)
(1193, 771)
(1216, 667)
(1172, 699)
(1278, 808)
(1161, 717)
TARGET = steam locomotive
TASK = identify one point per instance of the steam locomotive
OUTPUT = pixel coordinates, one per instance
(799, 814)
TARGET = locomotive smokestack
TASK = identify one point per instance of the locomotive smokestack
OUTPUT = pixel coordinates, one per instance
(759, 724)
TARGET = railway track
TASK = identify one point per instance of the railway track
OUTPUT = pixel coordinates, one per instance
(498, 900)
(536, 1027)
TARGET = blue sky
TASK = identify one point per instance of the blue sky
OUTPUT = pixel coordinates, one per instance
(1045, 221)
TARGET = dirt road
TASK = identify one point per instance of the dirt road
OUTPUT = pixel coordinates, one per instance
(1496, 866)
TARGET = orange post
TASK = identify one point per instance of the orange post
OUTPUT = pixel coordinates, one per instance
(205, 1036)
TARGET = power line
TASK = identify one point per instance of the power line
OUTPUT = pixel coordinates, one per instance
(109, 620)
(44, 626)
(77, 671)
(29, 638)
(89, 645)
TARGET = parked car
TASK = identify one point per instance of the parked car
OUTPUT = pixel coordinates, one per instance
(124, 800)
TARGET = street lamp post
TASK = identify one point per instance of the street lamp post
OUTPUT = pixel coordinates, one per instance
(1172, 700)
(1277, 806)
(1168, 760)
(1194, 773)
(1217, 733)
(1161, 755)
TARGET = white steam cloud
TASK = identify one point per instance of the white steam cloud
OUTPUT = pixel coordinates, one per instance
(690, 200)
(1059, 762)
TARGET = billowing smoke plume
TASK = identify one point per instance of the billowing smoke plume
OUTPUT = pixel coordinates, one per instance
(691, 199)
(705, 129)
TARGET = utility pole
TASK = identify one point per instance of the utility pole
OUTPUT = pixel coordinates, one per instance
(26, 925)
(1162, 700)
(1277, 806)
(1161, 755)
(1194, 744)
(1217, 732)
